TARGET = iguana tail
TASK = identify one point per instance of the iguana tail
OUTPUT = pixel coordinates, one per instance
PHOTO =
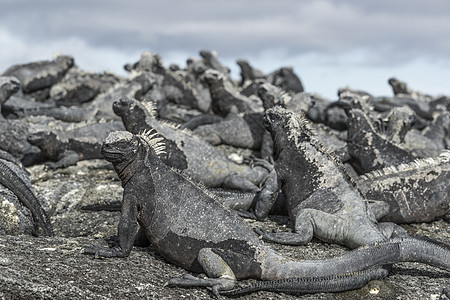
(307, 285)
(415, 250)
(14, 178)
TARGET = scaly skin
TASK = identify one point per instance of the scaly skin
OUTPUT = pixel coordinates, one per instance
(16, 179)
(66, 148)
(194, 231)
(368, 149)
(189, 153)
(416, 192)
(8, 86)
(321, 199)
(42, 74)
(225, 98)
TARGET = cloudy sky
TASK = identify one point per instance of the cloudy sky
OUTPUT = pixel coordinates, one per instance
(330, 44)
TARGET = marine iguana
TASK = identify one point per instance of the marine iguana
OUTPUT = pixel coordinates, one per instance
(13, 139)
(18, 181)
(171, 86)
(418, 191)
(226, 98)
(78, 86)
(42, 74)
(191, 229)
(66, 148)
(400, 88)
(249, 73)
(8, 86)
(250, 128)
(189, 153)
(368, 149)
(322, 200)
(97, 109)
(211, 60)
(286, 79)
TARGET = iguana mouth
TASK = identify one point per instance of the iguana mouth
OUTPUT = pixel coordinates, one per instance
(112, 155)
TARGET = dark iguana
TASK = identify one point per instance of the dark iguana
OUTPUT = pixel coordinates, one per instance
(248, 73)
(42, 74)
(226, 98)
(171, 86)
(286, 79)
(13, 139)
(189, 153)
(78, 86)
(368, 149)
(192, 230)
(418, 191)
(18, 181)
(8, 86)
(321, 198)
(246, 131)
(66, 148)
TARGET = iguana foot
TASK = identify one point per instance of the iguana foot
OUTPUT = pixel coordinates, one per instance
(259, 162)
(216, 284)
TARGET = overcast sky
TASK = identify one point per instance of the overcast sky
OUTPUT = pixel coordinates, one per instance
(330, 44)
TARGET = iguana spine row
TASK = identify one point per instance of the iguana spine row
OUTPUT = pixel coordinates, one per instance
(416, 164)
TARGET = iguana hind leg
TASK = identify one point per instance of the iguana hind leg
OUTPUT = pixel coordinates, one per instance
(220, 275)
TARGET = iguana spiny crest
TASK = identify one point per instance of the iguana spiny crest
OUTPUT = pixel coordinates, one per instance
(443, 158)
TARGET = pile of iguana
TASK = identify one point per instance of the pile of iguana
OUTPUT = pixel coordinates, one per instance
(176, 216)
(379, 137)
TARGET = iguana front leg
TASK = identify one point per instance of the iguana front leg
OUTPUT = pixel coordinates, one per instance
(127, 232)
(351, 231)
(220, 275)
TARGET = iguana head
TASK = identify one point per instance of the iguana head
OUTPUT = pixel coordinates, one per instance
(398, 87)
(291, 122)
(272, 95)
(48, 142)
(132, 112)
(212, 76)
(286, 126)
(122, 147)
(8, 86)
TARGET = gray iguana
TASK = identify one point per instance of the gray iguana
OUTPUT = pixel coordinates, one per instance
(226, 98)
(78, 86)
(97, 109)
(191, 229)
(418, 191)
(189, 153)
(8, 86)
(368, 149)
(17, 179)
(66, 148)
(42, 74)
(321, 198)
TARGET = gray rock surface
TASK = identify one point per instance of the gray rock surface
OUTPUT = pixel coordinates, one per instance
(54, 268)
